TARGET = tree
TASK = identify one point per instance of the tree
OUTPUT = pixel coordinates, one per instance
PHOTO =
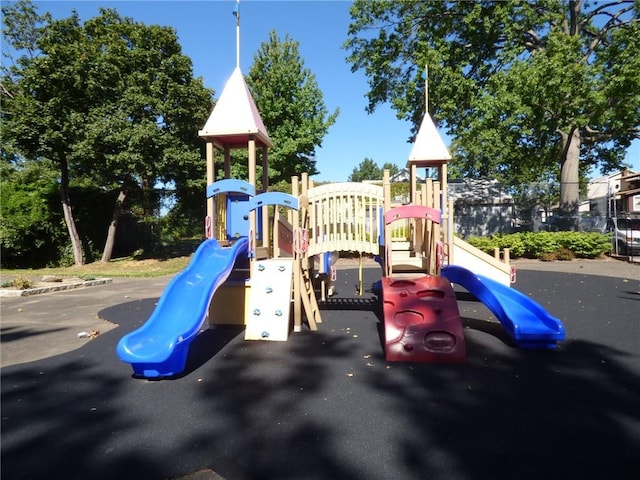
(366, 170)
(524, 88)
(30, 227)
(392, 167)
(291, 106)
(112, 100)
(369, 170)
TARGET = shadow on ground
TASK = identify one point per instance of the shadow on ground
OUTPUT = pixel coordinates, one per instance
(326, 405)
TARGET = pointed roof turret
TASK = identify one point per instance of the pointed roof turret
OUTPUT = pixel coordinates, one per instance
(429, 148)
(235, 118)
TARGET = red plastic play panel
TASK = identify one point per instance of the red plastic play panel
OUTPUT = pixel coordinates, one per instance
(421, 320)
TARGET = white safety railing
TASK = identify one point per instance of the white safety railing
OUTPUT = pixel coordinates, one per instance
(345, 217)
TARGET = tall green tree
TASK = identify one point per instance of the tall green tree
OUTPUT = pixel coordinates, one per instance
(368, 169)
(110, 100)
(291, 105)
(392, 167)
(524, 88)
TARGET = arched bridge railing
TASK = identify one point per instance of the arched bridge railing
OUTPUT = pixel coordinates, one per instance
(344, 217)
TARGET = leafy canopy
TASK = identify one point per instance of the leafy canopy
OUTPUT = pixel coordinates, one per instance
(514, 83)
(369, 170)
(291, 105)
(112, 102)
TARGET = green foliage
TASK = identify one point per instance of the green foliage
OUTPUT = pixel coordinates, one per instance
(30, 223)
(512, 241)
(367, 169)
(291, 106)
(181, 223)
(538, 243)
(546, 245)
(486, 244)
(32, 231)
(585, 244)
(281, 186)
(399, 189)
(111, 102)
(527, 90)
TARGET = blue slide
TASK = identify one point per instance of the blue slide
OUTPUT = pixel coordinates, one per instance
(530, 325)
(159, 347)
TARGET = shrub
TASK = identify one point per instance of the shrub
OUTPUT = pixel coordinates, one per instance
(512, 241)
(585, 244)
(22, 283)
(535, 244)
(546, 246)
(486, 244)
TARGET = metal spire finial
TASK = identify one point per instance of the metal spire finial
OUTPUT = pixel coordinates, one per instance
(236, 13)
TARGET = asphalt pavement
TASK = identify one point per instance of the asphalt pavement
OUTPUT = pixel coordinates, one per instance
(325, 404)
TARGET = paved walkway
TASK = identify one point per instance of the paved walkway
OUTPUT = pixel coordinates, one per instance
(325, 404)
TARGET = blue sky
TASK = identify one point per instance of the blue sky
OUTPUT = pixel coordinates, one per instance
(207, 33)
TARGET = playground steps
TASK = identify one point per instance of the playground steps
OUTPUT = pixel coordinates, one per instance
(269, 305)
(405, 260)
(308, 295)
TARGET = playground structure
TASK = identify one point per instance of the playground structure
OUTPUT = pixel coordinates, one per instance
(256, 266)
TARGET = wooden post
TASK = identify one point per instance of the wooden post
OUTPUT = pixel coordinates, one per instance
(444, 205)
(297, 254)
(385, 251)
(449, 232)
(265, 209)
(227, 162)
(211, 177)
(437, 228)
(413, 180)
(252, 181)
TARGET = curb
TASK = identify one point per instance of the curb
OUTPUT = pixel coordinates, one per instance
(54, 288)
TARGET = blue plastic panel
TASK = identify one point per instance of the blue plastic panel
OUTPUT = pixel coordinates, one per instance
(274, 198)
(237, 216)
(230, 185)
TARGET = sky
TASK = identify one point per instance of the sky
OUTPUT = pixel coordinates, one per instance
(207, 32)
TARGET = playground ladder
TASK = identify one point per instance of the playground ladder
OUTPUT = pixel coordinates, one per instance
(308, 294)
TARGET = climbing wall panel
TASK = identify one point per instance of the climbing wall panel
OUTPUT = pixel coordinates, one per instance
(269, 300)
(421, 320)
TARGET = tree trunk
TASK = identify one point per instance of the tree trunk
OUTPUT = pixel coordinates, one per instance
(570, 172)
(76, 245)
(111, 232)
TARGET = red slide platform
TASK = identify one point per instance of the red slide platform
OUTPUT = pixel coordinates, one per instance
(421, 320)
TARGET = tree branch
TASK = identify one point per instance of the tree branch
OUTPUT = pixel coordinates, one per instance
(613, 22)
(5, 91)
(532, 41)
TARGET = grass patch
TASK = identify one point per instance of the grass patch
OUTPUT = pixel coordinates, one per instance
(120, 267)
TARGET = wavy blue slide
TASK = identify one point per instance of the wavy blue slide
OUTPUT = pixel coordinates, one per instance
(159, 347)
(530, 325)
